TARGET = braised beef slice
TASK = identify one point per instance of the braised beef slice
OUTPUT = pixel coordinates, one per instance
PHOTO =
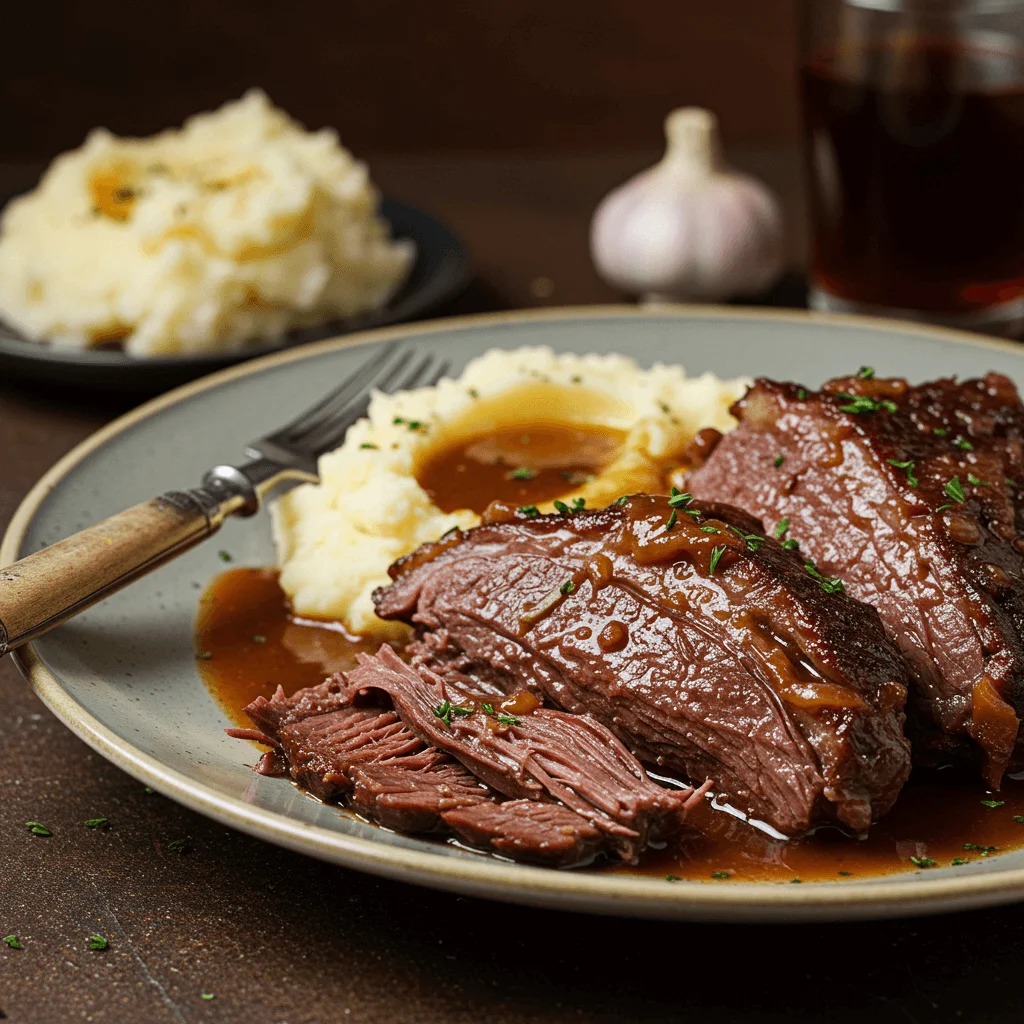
(912, 496)
(746, 672)
(528, 830)
(366, 756)
(336, 750)
(536, 754)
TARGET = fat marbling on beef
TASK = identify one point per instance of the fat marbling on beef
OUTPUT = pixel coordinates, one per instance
(911, 496)
(707, 648)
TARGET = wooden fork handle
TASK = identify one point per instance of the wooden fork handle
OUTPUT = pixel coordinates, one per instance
(43, 589)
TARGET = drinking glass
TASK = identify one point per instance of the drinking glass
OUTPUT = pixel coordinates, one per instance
(914, 142)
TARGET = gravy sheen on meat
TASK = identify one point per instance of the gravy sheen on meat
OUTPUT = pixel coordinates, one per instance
(912, 496)
(934, 816)
(728, 660)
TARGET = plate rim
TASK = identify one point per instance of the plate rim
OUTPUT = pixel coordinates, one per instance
(597, 892)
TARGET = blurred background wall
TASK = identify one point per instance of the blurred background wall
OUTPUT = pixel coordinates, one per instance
(404, 76)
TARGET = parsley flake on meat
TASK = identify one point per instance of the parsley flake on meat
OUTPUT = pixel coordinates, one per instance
(531, 511)
(716, 557)
(567, 587)
(781, 527)
(98, 942)
(522, 473)
(866, 373)
(992, 804)
(673, 517)
(830, 584)
(955, 490)
(907, 466)
(923, 862)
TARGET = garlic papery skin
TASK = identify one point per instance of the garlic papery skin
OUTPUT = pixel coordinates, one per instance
(688, 228)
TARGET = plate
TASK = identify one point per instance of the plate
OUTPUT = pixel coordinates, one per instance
(439, 274)
(122, 676)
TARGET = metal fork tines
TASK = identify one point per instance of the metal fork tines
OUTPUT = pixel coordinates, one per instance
(289, 454)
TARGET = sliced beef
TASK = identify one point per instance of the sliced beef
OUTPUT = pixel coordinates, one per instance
(338, 750)
(528, 830)
(415, 800)
(527, 751)
(705, 647)
(912, 497)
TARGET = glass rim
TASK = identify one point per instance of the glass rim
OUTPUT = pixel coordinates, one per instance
(961, 6)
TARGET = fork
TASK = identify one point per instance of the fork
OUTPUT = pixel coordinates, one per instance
(48, 587)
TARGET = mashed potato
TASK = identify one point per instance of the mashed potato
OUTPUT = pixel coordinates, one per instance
(336, 540)
(239, 226)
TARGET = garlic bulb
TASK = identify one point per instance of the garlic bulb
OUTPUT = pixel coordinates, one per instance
(688, 228)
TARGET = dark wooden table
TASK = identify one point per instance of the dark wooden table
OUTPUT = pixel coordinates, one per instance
(236, 930)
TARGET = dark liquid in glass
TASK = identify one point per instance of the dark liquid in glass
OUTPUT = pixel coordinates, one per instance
(917, 175)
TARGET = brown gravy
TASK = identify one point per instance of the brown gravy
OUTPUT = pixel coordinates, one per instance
(522, 465)
(248, 643)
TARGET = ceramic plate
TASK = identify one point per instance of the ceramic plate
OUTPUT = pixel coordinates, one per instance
(122, 676)
(439, 274)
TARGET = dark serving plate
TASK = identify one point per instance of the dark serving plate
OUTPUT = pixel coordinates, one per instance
(439, 273)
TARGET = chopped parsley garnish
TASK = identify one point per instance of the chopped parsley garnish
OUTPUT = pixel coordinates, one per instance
(801, 394)
(488, 709)
(672, 878)
(97, 942)
(562, 507)
(522, 473)
(845, 874)
(578, 504)
(795, 881)
(962, 442)
(11, 941)
(779, 460)
(866, 373)
(1019, 818)
(366, 444)
(178, 846)
(958, 861)
(506, 719)
(529, 510)
(780, 528)
(204, 656)
(907, 466)
(943, 508)
(858, 404)
(411, 424)
(719, 874)
(993, 804)
(940, 431)
(678, 500)
(790, 545)
(567, 587)
(975, 482)
(449, 531)
(922, 862)
(830, 584)
(955, 490)
(473, 393)
(752, 540)
(149, 791)
(259, 638)
(983, 850)
(695, 512)
(206, 995)
(96, 822)
(224, 556)
(624, 500)
(446, 709)
(672, 519)
(716, 557)
(708, 529)
(37, 828)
